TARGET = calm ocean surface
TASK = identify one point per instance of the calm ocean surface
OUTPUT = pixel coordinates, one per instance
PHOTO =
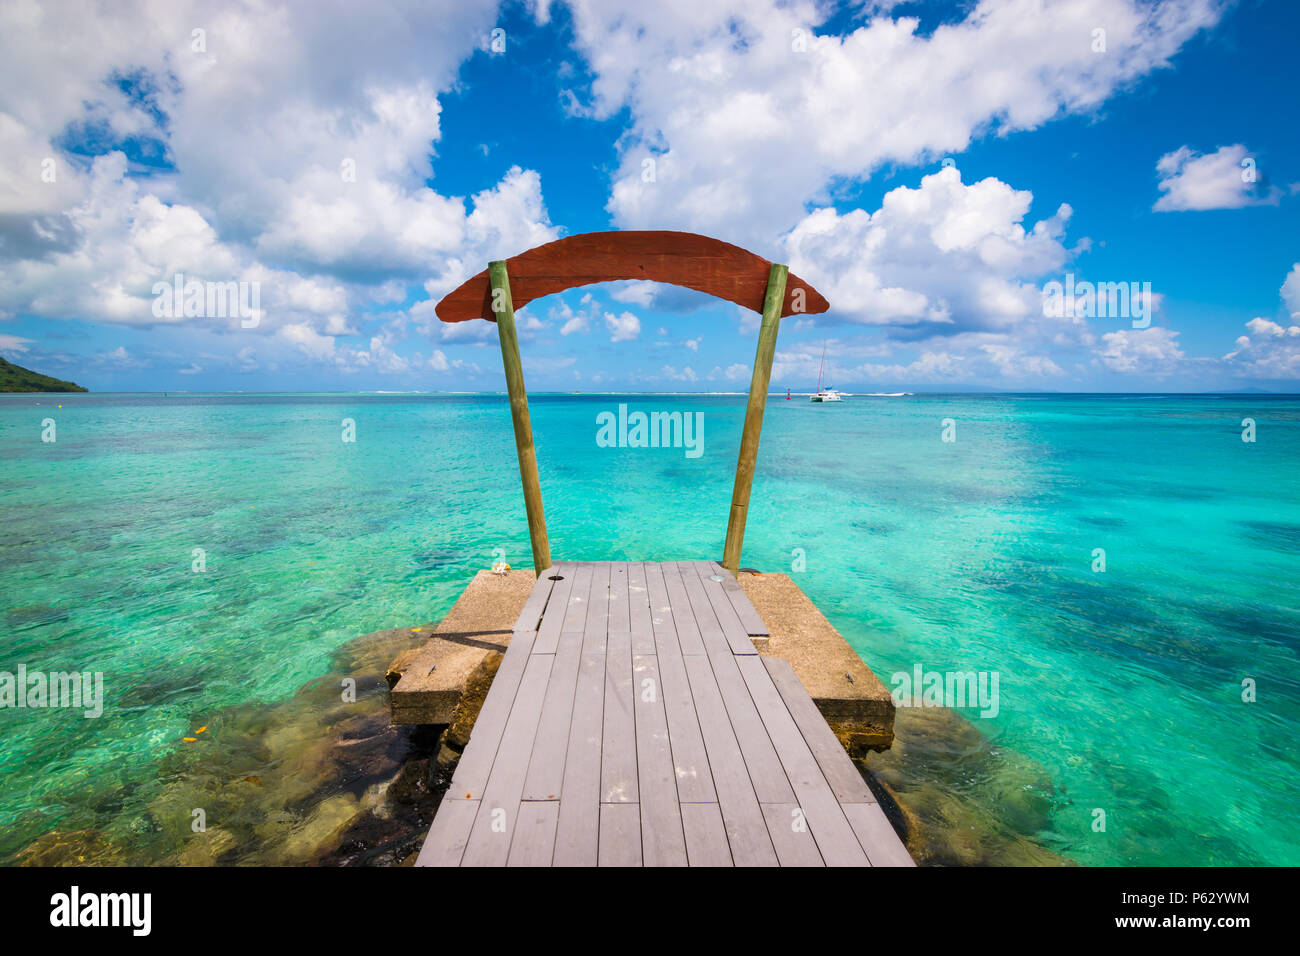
(1124, 688)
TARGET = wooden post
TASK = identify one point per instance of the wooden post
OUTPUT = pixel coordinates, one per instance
(773, 303)
(504, 309)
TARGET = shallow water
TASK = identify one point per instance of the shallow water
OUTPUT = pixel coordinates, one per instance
(1118, 691)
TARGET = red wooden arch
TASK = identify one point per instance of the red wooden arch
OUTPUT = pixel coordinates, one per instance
(677, 258)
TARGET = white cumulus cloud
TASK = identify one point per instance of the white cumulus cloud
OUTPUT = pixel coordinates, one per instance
(293, 144)
(623, 327)
(742, 111)
(942, 254)
(1152, 351)
(1224, 179)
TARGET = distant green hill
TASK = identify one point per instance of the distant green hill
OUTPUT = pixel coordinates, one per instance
(15, 378)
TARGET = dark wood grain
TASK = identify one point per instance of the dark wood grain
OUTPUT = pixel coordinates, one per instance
(679, 258)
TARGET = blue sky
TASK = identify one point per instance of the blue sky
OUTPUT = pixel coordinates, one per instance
(930, 167)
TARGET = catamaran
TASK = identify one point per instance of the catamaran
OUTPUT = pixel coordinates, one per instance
(824, 394)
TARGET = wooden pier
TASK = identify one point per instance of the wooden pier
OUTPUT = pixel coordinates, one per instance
(632, 722)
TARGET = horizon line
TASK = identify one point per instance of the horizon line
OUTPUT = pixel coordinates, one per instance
(860, 394)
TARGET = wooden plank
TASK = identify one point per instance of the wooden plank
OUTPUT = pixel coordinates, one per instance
(546, 765)
(749, 616)
(680, 258)
(736, 633)
(793, 840)
(640, 618)
(845, 780)
(661, 613)
(688, 631)
(475, 764)
(620, 834)
(445, 844)
(662, 841)
(773, 303)
(575, 609)
(819, 806)
(551, 624)
(489, 844)
(618, 768)
(690, 759)
(706, 836)
(531, 614)
(534, 839)
(877, 836)
(711, 633)
(578, 829)
(770, 782)
(746, 829)
(596, 627)
(618, 597)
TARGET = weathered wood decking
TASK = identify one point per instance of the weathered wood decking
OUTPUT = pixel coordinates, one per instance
(632, 722)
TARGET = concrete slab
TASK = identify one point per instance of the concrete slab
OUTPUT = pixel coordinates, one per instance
(462, 651)
(851, 698)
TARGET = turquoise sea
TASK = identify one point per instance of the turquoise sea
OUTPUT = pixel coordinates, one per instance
(1122, 687)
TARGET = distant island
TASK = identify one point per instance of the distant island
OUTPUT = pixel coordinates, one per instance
(15, 378)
